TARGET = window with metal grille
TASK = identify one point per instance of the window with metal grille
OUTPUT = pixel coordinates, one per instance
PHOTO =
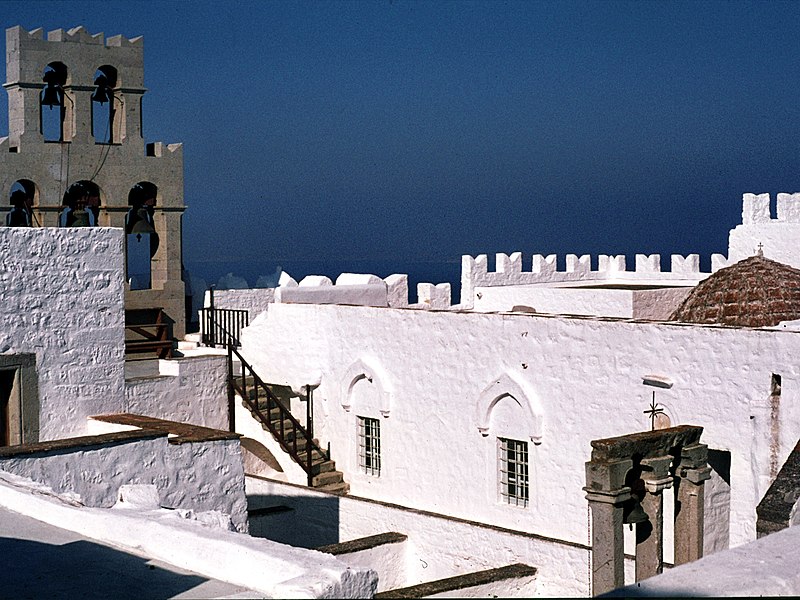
(513, 462)
(369, 446)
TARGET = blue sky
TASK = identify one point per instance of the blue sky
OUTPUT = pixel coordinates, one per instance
(421, 131)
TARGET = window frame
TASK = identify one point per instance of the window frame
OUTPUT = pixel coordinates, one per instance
(513, 457)
(369, 446)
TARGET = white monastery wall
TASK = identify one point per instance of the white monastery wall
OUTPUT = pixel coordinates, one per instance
(275, 570)
(611, 270)
(652, 304)
(61, 292)
(778, 238)
(199, 476)
(189, 390)
(355, 289)
(552, 300)
(556, 382)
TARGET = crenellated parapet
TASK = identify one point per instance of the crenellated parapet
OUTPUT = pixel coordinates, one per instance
(777, 238)
(755, 208)
(29, 52)
(611, 269)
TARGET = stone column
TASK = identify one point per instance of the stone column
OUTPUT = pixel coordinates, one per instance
(650, 535)
(693, 471)
(606, 492)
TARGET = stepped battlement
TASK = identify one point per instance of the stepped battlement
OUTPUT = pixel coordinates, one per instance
(509, 271)
(78, 35)
(756, 208)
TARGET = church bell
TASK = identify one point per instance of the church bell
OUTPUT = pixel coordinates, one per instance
(636, 514)
(52, 91)
(52, 95)
(101, 93)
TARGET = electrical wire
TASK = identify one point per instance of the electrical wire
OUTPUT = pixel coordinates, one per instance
(106, 136)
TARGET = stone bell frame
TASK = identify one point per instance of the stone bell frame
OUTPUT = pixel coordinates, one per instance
(114, 164)
(640, 467)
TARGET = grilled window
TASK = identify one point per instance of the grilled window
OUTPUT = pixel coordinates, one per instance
(513, 463)
(369, 446)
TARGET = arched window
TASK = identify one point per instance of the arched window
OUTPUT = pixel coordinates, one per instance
(51, 102)
(103, 106)
(81, 205)
(23, 194)
(512, 411)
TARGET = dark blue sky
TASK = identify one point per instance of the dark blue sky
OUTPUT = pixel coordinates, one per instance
(416, 131)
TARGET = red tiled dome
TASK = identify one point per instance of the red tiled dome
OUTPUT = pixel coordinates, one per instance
(755, 292)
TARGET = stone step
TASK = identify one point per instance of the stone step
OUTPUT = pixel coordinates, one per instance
(184, 345)
(327, 478)
(193, 337)
(316, 460)
(335, 488)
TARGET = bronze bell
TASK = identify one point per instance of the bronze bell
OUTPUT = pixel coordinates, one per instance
(52, 95)
(101, 93)
(636, 514)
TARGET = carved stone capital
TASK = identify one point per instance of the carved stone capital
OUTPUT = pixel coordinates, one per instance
(696, 476)
(655, 486)
(619, 496)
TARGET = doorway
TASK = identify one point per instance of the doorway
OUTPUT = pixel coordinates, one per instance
(19, 400)
(9, 408)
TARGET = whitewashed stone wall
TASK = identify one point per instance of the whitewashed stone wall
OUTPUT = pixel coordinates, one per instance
(61, 293)
(188, 390)
(431, 377)
(570, 301)
(655, 304)
(611, 270)
(201, 476)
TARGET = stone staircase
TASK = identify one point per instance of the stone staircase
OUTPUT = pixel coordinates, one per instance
(324, 476)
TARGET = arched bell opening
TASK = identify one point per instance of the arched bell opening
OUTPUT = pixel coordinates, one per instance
(22, 197)
(80, 205)
(52, 109)
(141, 239)
(106, 105)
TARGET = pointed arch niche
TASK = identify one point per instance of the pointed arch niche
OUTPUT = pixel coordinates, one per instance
(511, 396)
(366, 371)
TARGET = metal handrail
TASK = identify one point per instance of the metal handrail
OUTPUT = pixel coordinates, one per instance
(221, 325)
(281, 433)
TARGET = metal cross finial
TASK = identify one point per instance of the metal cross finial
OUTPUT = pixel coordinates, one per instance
(653, 411)
(760, 249)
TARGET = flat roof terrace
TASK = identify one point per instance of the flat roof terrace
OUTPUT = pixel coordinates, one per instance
(44, 561)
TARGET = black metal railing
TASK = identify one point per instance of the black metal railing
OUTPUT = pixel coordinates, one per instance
(219, 326)
(274, 415)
